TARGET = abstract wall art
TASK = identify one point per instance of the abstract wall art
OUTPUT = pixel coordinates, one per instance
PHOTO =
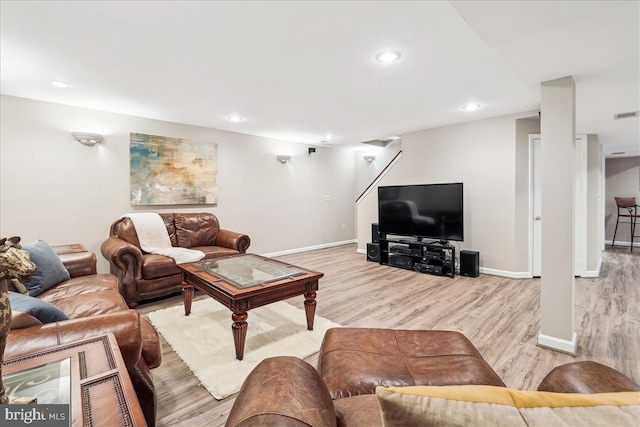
(172, 171)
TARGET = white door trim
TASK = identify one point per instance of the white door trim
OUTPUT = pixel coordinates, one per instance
(580, 194)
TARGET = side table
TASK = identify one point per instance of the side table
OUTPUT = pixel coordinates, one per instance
(90, 374)
(72, 248)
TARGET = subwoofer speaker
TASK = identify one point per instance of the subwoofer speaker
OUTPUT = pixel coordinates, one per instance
(469, 263)
(373, 252)
(375, 233)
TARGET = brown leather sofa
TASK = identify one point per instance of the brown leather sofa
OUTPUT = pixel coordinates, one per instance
(146, 276)
(95, 307)
(288, 392)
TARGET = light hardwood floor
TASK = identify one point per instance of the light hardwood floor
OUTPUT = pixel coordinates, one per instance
(500, 316)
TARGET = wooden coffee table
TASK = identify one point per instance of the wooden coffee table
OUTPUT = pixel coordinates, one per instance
(246, 281)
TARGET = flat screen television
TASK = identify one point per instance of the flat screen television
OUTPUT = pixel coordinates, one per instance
(431, 211)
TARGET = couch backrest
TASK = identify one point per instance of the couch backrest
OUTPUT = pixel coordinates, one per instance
(185, 230)
(196, 229)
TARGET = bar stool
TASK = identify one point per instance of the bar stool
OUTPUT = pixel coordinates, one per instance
(629, 209)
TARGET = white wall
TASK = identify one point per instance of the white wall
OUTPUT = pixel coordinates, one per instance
(480, 154)
(366, 174)
(54, 188)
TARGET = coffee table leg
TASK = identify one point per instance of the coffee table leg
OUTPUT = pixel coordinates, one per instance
(187, 296)
(310, 308)
(239, 329)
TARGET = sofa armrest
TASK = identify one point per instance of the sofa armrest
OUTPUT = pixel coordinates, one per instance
(283, 391)
(125, 326)
(233, 240)
(80, 263)
(586, 377)
(122, 254)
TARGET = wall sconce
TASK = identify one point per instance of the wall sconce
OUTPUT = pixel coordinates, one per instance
(87, 138)
(369, 158)
(283, 158)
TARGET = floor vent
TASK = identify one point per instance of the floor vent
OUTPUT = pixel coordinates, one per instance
(626, 115)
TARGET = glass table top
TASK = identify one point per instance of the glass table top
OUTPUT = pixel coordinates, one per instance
(49, 383)
(248, 270)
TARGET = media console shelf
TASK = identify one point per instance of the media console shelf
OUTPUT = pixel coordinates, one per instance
(424, 256)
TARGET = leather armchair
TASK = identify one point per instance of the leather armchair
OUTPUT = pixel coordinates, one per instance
(146, 276)
(352, 362)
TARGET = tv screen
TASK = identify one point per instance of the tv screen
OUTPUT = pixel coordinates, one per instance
(433, 211)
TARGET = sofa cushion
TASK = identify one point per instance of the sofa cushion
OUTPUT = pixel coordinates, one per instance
(354, 361)
(480, 405)
(86, 296)
(167, 218)
(158, 266)
(50, 272)
(196, 229)
(41, 310)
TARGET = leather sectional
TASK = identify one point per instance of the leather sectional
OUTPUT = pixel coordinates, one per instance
(95, 307)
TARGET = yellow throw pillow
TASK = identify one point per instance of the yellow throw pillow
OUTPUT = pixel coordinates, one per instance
(479, 405)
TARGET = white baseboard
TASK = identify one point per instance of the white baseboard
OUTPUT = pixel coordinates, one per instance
(591, 273)
(553, 343)
(621, 244)
(504, 273)
(309, 248)
(594, 273)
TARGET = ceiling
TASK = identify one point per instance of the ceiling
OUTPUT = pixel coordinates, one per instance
(299, 71)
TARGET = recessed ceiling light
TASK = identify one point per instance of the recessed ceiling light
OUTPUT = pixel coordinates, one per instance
(60, 84)
(388, 56)
(235, 118)
(471, 107)
(395, 137)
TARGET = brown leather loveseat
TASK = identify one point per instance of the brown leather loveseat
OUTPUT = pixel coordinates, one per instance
(95, 307)
(145, 276)
(365, 375)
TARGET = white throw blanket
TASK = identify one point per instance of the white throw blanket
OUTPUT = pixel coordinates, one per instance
(154, 238)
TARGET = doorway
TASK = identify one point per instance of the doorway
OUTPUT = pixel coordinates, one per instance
(580, 205)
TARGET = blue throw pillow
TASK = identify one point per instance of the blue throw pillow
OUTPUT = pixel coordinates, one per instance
(41, 310)
(51, 271)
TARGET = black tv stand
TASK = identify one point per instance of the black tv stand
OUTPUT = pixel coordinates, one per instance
(425, 256)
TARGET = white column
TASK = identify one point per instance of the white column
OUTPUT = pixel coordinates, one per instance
(557, 199)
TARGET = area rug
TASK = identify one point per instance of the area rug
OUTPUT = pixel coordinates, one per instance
(204, 341)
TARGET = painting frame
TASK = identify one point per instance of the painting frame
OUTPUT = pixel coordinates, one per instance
(172, 171)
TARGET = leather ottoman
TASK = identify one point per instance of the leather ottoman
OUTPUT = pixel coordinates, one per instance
(353, 361)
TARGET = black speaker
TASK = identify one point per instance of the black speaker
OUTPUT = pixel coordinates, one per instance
(469, 263)
(373, 252)
(375, 233)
